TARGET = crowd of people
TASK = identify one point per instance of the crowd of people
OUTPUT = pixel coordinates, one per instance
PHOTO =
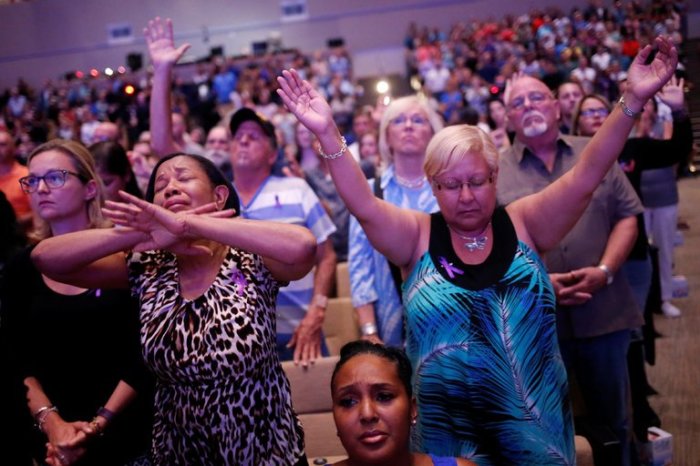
(204, 218)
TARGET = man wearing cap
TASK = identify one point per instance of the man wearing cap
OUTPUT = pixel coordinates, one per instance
(301, 306)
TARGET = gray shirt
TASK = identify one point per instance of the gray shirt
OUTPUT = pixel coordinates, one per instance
(612, 308)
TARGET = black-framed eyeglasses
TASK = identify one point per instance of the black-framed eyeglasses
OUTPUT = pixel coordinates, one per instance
(53, 179)
(455, 185)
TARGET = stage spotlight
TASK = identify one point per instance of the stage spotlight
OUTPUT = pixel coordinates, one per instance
(109, 71)
(382, 86)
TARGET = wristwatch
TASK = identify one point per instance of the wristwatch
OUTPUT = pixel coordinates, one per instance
(368, 329)
(608, 274)
(320, 301)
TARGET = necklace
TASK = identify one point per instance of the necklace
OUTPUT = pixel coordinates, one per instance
(411, 184)
(474, 243)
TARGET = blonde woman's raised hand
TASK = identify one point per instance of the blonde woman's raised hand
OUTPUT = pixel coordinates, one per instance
(310, 108)
(644, 80)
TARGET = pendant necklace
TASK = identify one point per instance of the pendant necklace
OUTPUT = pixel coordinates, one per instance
(474, 243)
(411, 184)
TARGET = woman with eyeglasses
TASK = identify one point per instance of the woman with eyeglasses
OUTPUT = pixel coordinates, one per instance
(77, 348)
(405, 129)
(479, 305)
(207, 285)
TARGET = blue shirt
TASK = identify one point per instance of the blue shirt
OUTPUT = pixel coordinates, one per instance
(291, 200)
(370, 276)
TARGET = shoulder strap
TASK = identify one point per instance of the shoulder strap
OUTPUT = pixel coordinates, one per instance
(395, 271)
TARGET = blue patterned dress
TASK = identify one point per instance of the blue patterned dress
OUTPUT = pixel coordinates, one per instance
(489, 379)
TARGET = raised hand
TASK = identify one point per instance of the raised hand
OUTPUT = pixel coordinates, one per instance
(310, 108)
(510, 82)
(672, 94)
(643, 80)
(161, 47)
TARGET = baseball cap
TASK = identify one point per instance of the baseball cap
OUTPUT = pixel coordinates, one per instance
(248, 114)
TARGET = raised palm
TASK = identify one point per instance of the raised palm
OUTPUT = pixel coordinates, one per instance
(310, 108)
(645, 80)
(161, 46)
(672, 93)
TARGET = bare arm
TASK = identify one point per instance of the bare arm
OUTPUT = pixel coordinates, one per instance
(578, 286)
(570, 194)
(164, 55)
(382, 221)
(287, 250)
(88, 258)
(307, 336)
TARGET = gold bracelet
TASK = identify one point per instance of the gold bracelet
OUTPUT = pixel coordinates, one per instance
(342, 150)
(96, 427)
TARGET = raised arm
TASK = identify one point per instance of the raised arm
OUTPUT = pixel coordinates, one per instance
(164, 55)
(383, 222)
(570, 194)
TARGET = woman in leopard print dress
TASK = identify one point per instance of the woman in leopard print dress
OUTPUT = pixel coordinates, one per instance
(207, 285)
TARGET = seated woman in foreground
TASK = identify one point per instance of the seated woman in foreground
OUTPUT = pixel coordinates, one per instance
(374, 409)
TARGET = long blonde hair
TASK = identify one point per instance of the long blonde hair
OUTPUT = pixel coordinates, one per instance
(84, 165)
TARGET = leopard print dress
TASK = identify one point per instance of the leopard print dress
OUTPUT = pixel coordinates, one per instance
(222, 397)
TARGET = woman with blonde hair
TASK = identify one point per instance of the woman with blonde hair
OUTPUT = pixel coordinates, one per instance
(405, 129)
(479, 305)
(77, 348)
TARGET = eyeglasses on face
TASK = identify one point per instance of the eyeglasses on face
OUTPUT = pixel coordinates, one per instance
(418, 120)
(453, 185)
(53, 179)
(535, 98)
(591, 112)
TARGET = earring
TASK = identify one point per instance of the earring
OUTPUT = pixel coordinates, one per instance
(414, 421)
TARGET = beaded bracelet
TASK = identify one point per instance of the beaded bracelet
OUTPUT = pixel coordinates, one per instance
(342, 150)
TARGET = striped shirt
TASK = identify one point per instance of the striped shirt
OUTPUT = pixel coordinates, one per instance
(291, 200)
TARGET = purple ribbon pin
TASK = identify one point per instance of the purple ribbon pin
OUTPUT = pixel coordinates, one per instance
(449, 268)
(240, 281)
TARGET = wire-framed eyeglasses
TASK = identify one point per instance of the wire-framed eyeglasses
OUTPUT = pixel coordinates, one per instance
(454, 185)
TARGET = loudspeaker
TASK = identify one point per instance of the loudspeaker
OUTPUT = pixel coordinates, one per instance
(217, 51)
(335, 42)
(134, 61)
(259, 48)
